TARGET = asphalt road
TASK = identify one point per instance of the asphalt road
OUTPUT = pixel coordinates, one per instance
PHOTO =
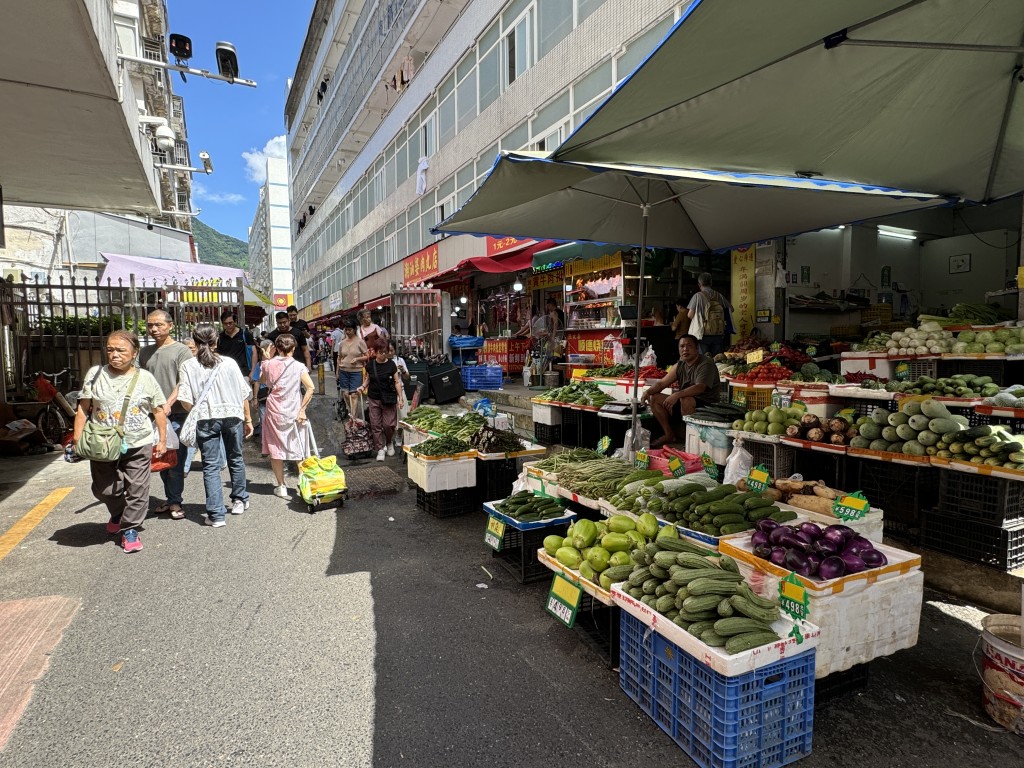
(373, 635)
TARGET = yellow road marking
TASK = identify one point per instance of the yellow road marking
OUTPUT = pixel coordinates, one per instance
(23, 527)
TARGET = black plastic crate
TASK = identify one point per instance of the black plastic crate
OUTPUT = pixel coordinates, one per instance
(776, 457)
(495, 478)
(460, 501)
(818, 465)
(993, 500)
(867, 407)
(909, 533)
(839, 685)
(547, 434)
(590, 429)
(518, 552)
(571, 423)
(990, 545)
(994, 368)
(899, 490)
(597, 625)
(615, 430)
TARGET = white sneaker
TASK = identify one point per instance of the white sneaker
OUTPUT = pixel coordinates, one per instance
(390, 450)
(380, 455)
(282, 491)
(215, 523)
(239, 506)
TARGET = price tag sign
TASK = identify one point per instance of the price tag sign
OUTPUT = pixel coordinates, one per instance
(739, 397)
(812, 351)
(793, 598)
(709, 466)
(782, 399)
(755, 357)
(902, 370)
(758, 480)
(676, 467)
(775, 361)
(776, 346)
(642, 460)
(852, 507)
(494, 534)
(604, 444)
(564, 599)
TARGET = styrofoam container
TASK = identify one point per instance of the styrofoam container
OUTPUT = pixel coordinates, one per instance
(877, 363)
(717, 658)
(547, 414)
(592, 589)
(697, 446)
(529, 449)
(870, 526)
(565, 493)
(413, 435)
(434, 473)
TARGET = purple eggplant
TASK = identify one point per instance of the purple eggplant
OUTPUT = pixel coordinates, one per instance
(778, 556)
(811, 529)
(793, 540)
(766, 524)
(813, 563)
(795, 560)
(853, 562)
(832, 568)
(873, 558)
(858, 544)
(847, 531)
(825, 547)
(764, 551)
(758, 538)
(775, 534)
(836, 537)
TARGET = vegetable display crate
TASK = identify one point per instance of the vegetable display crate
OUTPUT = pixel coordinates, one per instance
(518, 554)
(452, 503)
(597, 625)
(992, 500)
(547, 434)
(547, 414)
(867, 407)
(903, 490)
(494, 479)
(760, 719)
(712, 440)
(993, 368)
(571, 422)
(590, 429)
(475, 377)
(751, 397)
(615, 430)
(922, 367)
(839, 685)
(777, 458)
(442, 473)
(990, 545)
(819, 465)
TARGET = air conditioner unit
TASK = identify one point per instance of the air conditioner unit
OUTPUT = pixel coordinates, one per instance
(12, 275)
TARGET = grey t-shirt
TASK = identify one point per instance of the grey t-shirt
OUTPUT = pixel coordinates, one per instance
(703, 371)
(163, 363)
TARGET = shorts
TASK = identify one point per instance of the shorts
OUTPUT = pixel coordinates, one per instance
(350, 380)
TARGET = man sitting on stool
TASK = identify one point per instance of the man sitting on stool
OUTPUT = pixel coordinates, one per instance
(697, 377)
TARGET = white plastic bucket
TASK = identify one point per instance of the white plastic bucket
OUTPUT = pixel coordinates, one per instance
(1002, 672)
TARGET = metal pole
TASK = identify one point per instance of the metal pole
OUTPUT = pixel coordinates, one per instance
(645, 211)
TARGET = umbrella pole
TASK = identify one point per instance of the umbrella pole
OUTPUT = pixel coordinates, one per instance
(645, 211)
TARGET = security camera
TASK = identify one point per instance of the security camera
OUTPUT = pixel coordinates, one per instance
(165, 138)
(207, 163)
(227, 61)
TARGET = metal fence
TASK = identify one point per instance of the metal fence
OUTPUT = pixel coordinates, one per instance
(50, 326)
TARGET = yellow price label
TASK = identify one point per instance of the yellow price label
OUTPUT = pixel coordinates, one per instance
(566, 591)
(755, 357)
(861, 505)
(495, 526)
(795, 592)
(760, 476)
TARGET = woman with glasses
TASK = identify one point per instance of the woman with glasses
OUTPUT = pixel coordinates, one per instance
(125, 397)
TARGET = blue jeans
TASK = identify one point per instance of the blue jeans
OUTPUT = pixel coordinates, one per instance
(210, 435)
(350, 380)
(174, 478)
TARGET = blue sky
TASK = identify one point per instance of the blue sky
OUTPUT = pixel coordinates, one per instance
(235, 124)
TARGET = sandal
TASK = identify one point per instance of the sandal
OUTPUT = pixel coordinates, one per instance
(162, 508)
(177, 513)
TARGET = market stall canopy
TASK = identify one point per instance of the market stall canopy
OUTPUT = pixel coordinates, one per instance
(915, 95)
(567, 252)
(162, 272)
(527, 194)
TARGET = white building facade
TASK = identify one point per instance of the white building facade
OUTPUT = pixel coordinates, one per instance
(398, 110)
(270, 244)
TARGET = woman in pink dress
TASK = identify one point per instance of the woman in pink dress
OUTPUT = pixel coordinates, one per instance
(285, 423)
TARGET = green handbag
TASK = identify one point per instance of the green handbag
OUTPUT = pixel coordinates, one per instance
(101, 442)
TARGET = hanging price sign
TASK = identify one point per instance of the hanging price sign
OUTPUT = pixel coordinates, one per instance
(793, 598)
(812, 351)
(604, 444)
(758, 480)
(564, 600)
(676, 467)
(852, 507)
(709, 466)
(494, 534)
(902, 370)
(755, 357)
(642, 460)
(776, 346)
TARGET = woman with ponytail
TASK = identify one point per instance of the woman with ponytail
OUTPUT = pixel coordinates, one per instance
(214, 386)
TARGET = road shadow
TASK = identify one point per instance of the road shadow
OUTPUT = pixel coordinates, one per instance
(82, 535)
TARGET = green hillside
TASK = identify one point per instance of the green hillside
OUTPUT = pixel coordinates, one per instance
(219, 249)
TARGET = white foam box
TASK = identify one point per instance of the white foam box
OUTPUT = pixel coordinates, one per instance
(697, 446)
(877, 363)
(412, 435)
(716, 658)
(433, 473)
(871, 526)
(547, 414)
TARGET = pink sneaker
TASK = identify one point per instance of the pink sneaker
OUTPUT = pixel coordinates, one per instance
(130, 541)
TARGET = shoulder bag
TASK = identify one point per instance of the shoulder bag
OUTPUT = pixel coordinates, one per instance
(387, 396)
(101, 442)
(187, 434)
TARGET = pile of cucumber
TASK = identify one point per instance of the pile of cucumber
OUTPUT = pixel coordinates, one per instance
(702, 593)
(526, 507)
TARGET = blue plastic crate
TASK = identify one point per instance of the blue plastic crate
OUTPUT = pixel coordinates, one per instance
(481, 377)
(760, 719)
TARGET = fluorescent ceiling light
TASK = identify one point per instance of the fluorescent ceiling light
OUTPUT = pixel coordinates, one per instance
(900, 234)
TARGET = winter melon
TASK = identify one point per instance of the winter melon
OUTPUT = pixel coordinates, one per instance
(935, 410)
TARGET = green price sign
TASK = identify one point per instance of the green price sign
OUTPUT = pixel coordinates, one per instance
(604, 444)
(642, 460)
(852, 507)
(494, 534)
(793, 598)
(758, 480)
(676, 467)
(564, 599)
(902, 370)
(709, 466)
(812, 351)
(776, 347)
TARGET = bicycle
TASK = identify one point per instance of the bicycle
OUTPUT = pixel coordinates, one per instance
(56, 420)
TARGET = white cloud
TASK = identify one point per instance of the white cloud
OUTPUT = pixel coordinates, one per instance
(256, 159)
(200, 192)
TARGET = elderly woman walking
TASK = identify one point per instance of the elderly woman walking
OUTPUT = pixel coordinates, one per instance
(285, 424)
(213, 386)
(121, 396)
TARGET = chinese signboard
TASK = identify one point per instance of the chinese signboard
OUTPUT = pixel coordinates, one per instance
(553, 279)
(499, 245)
(743, 290)
(421, 265)
(312, 312)
(510, 354)
(589, 343)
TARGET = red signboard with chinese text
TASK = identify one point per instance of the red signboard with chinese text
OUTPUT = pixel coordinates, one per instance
(554, 278)
(499, 245)
(421, 265)
(589, 343)
(510, 354)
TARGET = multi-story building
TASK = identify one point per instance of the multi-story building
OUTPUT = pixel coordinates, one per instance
(270, 245)
(398, 109)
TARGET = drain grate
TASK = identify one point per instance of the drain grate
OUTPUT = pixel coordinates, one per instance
(373, 480)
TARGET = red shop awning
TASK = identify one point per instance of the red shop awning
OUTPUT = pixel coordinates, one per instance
(384, 301)
(517, 258)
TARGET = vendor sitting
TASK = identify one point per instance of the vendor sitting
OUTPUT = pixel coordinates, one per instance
(697, 378)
